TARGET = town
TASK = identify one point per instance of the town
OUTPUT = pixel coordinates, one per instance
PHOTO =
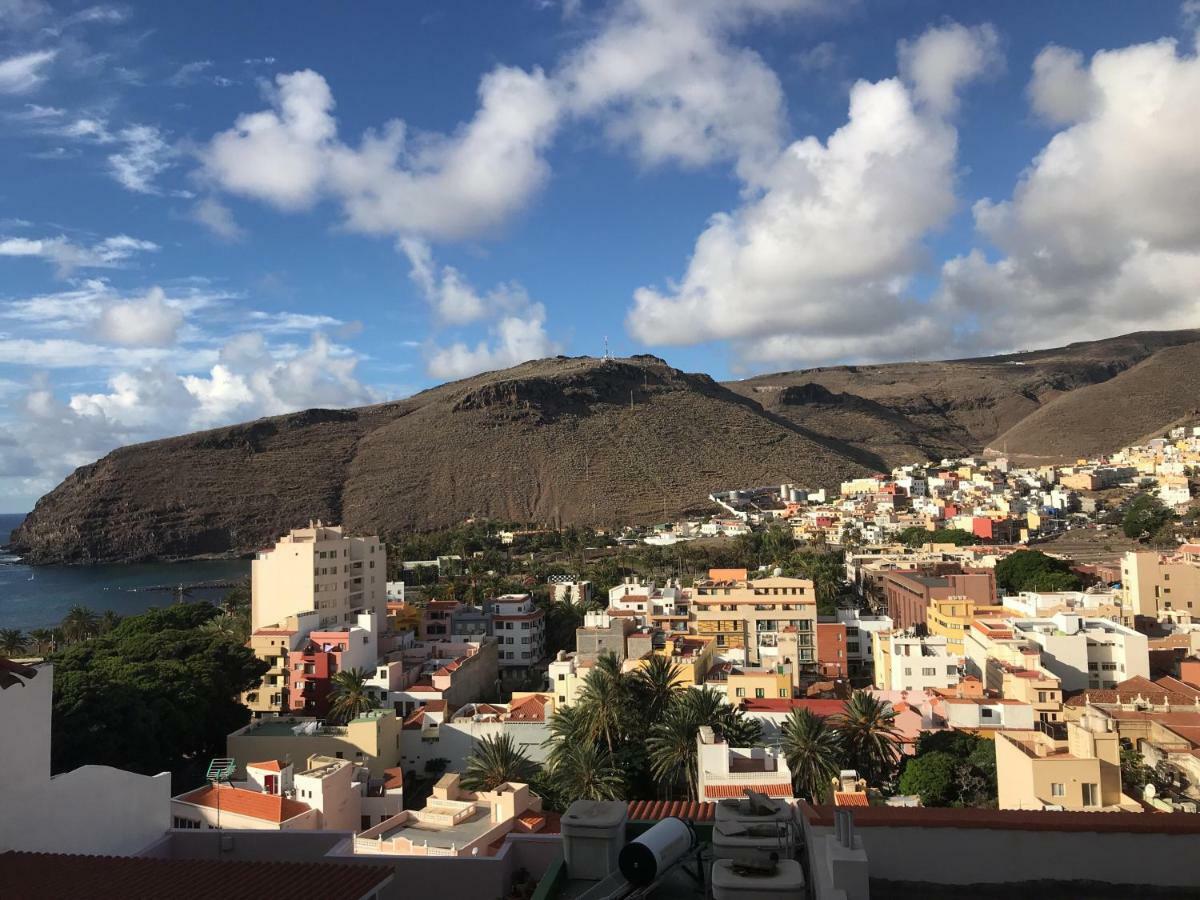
(913, 651)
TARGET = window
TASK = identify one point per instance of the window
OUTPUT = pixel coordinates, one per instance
(760, 693)
(740, 692)
(1091, 794)
(951, 670)
(1041, 696)
(929, 672)
(1057, 790)
(784, 694)
(181, 822)
(908, 671)
(364, 822)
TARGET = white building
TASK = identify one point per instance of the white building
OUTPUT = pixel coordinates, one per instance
(567, 590)
(1034, 604)
(906, 662)
(861, 632)
(93, 809)
(520, 630)
(987, 713)
(319, 568)
(724, 772)
(1086, 653)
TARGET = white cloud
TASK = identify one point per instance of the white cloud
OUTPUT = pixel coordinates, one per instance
(35, 113)
(944, 59)
(145, 322)
(454, 299)
(21, 13)
(67, 256)
(217, 218)
(835, 234)
(189, 73)
(21, 74)
(514, 339)
(1061, 89)
(146, 156)
(1101, 235)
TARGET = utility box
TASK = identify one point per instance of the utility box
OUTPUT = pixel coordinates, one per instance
(593, 833)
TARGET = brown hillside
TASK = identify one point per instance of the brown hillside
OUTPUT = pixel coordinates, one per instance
(904, 412)
(554, 441)
(1137, 404)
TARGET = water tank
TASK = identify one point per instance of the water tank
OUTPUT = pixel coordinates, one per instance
(786, 881)
(646, 857)
(592, 834)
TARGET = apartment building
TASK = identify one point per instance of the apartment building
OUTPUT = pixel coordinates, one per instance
(273, 645)
(320, 656)
(746, 618)
(909, 662)
(1074, 767)
(748, 683)
(833, 659)
(319, 568)
(949, 617)
(908, 595)
(520, 630)
(1037, 687)
(1085, 652)
(861, 632)
(453, 671)
(1099, 602)
(437, 732)
(1160, 585)
(371, 740)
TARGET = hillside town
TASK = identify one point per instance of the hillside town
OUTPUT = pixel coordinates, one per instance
(931, 668)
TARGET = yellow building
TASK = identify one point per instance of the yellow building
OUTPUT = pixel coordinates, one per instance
(372, 740)
(746, 618)
(693, 654)
(1076, 767)
(319, 568)
(1037, 687)
(773, 684)
(1154, 584)
(950, 618)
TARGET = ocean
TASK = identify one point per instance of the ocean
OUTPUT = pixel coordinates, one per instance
(39, 596)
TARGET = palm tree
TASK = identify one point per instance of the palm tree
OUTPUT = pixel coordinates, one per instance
(79, 624)
(738, 729)
(43, 639)
(586, 772)
(869, 736)
(12, 641)
(108, 621)
(813, 752)
(349, 696)
(604, 700)
(656, 684)
(672, 748)
(497, 760)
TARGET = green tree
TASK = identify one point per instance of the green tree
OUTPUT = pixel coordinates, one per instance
(79, 624)
(604, 701)
(655, 685)
(1032, 570)
(156, 693)
(496, 760)
(107, 622)
(1144, 516)
(932, 776)
(586, 772)
(12, 641)
(869, 737)
(672, 748)
(915, 536)
(813, 751)
(827, 572)
(348, 695)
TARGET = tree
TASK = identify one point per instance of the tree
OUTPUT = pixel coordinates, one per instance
(827, 572)
(1032, 570)
(604, 701)
(348, 695)
(586, 772)
(869, 737)
(494, 761)
(915, 536)
(79, 624)
(672, 746)
(932, 776)
(1144, 516)
(12, 641)
(43, 639)
(108, 621)
(813, 751)
(656, 686)
(156, 693)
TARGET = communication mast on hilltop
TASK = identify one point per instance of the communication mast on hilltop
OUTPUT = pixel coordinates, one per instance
(607, 355)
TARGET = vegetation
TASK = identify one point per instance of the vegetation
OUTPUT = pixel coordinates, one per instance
(870, 741)
(496, 760)
(915, 536)
(12, 641)
(813, 750)
(1145, 518)
(952, 768)
(348, 695)
(158, 692)
(1032, 570)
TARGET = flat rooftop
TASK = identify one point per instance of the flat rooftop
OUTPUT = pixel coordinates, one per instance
(442, 836)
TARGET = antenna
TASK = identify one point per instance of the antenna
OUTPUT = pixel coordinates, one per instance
(607, 357)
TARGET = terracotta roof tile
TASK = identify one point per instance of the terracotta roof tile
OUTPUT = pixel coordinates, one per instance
(271, 765)
(725, 791)
(242, 802)
(850, 798)
(655, 810)
(49, 876)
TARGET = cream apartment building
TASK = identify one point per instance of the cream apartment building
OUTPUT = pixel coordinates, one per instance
(1160, 586)
(319, 568)
(905, 662)
(1085, 652)
(748, 620)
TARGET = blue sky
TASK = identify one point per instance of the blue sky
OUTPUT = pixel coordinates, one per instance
(213, 211)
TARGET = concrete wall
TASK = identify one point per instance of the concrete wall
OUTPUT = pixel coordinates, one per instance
(456, 740)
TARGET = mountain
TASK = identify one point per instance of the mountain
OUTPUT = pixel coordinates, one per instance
(602, 442)
(554, 441)
(905, 412)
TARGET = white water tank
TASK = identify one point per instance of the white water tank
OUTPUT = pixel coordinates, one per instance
(593, 832)
(649, 855)
(786, 881)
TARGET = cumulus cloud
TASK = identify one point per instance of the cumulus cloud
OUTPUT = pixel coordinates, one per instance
(1101, 235)
(944, 59)
(21, 74)
(513, 339)
(67, 255)
(217, 218)
(837, 230)
(145, 156)
(145, 322)
(1061, 89)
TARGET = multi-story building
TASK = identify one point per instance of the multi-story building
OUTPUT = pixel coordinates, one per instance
(1160, 585)
(833, 659)
(520, 630)
(450, 671)
(564, 589)
(272, 645)
(437, 732)
(909, 594)
(949, 617)
(747, 618)
(371, 740)
(1037, 687)
(312, 665)
(319, 568)
(909, 662)
(437, 620)
(861, 632)
(1075, 767)
(747, 683)
(1084, 652)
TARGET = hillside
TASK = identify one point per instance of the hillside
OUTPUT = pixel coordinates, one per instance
(555, 441)
(905, 412)
(1140, 403)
